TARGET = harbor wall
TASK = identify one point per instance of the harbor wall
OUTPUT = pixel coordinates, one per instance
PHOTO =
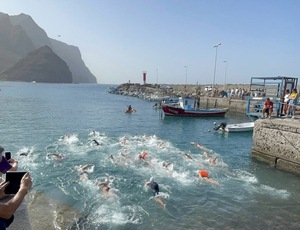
(232, 104)
(277, 142)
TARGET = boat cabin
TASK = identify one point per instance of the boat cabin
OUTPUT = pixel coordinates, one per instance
(274, 88)
(187, 103)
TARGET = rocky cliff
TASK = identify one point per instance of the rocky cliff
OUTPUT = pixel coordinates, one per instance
(20, 35)
(42, 65)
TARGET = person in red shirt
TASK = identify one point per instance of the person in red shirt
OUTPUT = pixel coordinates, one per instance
(268, 108)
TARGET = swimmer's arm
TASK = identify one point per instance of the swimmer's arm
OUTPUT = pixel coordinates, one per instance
(86, 166)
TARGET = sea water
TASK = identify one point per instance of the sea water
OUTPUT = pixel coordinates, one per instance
(41, 119)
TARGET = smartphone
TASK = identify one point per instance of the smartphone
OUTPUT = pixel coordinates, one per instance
(14, 179)
(7, 155)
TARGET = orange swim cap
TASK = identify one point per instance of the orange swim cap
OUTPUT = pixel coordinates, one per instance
(203, 173)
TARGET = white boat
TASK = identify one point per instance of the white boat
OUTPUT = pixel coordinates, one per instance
(238, 127)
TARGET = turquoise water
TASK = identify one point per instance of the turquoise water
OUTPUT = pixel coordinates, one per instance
(49, 118)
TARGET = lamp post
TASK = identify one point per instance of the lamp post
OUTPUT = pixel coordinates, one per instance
(156, 76)
(213, 84)
(185, 74)
(185, 77)
(224, 88)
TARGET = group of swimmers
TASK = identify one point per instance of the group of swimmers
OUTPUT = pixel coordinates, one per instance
(202, 173)
(84, 170)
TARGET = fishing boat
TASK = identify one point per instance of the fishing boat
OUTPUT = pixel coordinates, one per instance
(186, 107)
(238, 127)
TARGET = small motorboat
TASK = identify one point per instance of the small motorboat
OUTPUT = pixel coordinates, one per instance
(238, 127)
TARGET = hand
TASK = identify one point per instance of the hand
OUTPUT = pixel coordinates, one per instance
(12, 160)
(3, 185)
(26, 182)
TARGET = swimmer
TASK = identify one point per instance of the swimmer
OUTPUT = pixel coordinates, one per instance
(23, 154)
(82, 170)
(123, 155)
(111, 157)
(67, 137)
(104, 187)
(187, 156)
(143, 155)
(203, 174)
(56, 155)
(96, 142)
(199, 146)
(212, 160)
(155, 190)
(166, 165)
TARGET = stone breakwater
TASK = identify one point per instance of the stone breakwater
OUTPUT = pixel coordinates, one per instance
(277, 142)
(161, 92)
(146, 90)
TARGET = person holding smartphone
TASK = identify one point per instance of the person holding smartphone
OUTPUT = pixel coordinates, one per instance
(6, 165)
(8, 208)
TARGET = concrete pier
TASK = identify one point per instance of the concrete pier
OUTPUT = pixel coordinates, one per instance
(216, 102)
(277, 142)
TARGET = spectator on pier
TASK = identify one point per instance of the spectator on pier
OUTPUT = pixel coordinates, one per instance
(286, 102)
(293, 101)
(8, 209)
(6, 165)
(268, 108)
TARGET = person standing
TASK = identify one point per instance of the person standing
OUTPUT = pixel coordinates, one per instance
(8, 209)
(286, 102)
(6, 165)
(293, 101)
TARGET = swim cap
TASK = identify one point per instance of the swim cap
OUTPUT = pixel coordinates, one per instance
(203, 173)
(151, 179)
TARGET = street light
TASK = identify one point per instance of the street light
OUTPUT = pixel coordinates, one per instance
(156, 76)
(185, 74)
(213, 84)
(185, 77)
(224, 88)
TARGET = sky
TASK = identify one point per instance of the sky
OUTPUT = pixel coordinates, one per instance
(173, 40)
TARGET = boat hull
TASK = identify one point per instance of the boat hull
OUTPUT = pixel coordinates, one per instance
(178, 111)
(240, 127)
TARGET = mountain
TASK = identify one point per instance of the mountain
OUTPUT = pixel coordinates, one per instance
(42, 65)
(14, 43)
(72, 56)
(33, 38)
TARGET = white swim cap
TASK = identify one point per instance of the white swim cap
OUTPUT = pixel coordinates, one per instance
(151, 179)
